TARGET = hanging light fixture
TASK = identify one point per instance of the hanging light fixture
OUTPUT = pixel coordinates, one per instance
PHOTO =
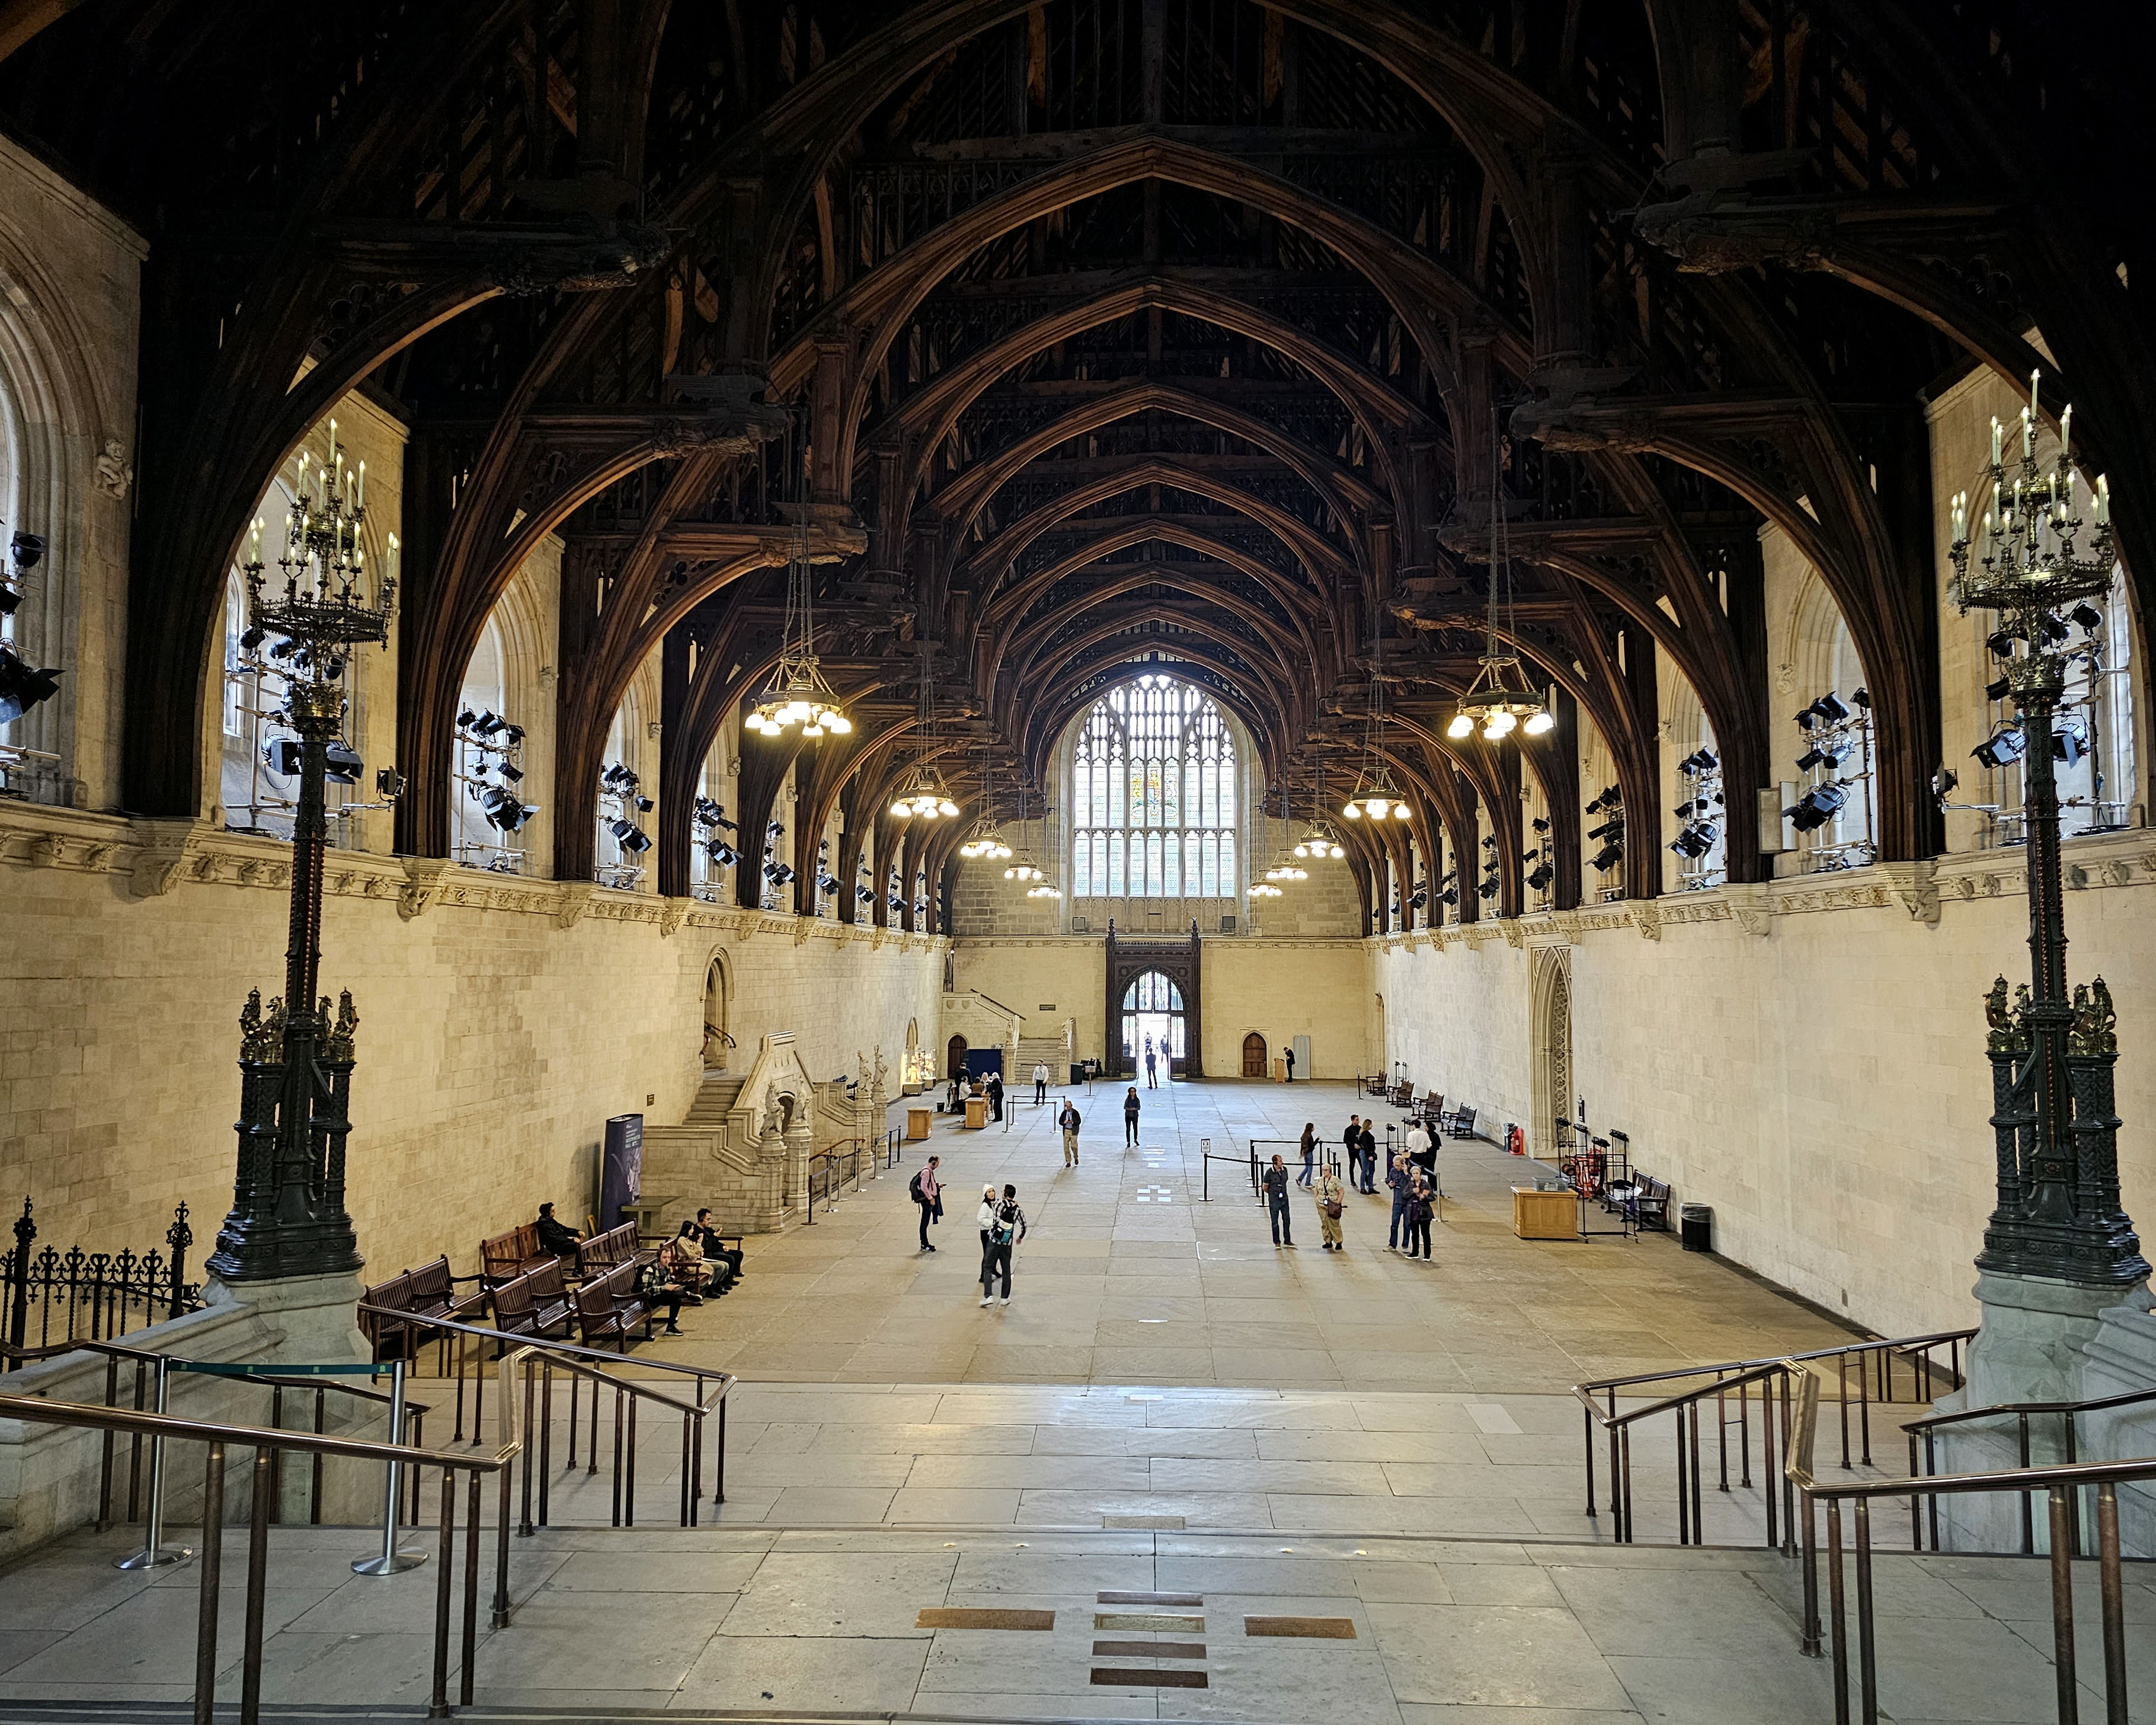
(1376, 796)
(922, 794)
(1025, 868)
(798, 694)
(1321, 841)
(1285, 867)
(1501, 698)
(986, 839)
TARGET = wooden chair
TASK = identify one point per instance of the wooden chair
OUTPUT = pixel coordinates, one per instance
(534, 1304)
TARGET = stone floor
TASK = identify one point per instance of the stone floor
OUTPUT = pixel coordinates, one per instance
(763, 1623)
(1129, 1276)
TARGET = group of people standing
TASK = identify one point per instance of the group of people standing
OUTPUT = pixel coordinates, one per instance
(1412, 1179)
(1002, 1225)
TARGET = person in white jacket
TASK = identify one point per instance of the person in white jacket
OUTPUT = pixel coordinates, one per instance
(1041, 1082)
(987, 1220)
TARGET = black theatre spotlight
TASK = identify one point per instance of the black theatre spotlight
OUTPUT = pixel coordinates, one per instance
(863, 896)
(1863, 699)
(1810, 759)
(1831, 708)
(2005, 745)
(27, 549)
(1943, 782)
(1540, 824)
(251, 637)
(486, 724)
(1450, 895)
(23, 685)
(2070, 743)
(643, 805)
(720, 853)
(281, 755)
(388, 783)
(2051, 627)
(2001, 642)
(1542, 877)
(2086, 614)
(1607, 858)
(1999, 691)
(512, 735)
(511, 773)
(827, 884)
(1606, 829)
(621, 830)
(638, 842)
(341, 762)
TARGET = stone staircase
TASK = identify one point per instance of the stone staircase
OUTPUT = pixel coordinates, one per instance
(715, 1099)
(1034, 1049)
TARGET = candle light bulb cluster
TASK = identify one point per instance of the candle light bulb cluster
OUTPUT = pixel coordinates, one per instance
(326, 603)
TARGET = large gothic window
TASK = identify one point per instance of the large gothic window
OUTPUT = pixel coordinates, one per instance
(1153, 796)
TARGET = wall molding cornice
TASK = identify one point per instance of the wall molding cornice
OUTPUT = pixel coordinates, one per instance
(160, 857)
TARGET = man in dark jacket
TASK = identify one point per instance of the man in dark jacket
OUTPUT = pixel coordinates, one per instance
(1275, 1178)
(555, 1237)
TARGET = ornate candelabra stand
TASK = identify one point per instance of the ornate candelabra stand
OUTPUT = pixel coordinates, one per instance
(288, 1216)
(2058, 1215)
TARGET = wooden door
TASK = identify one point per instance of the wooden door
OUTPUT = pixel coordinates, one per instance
(954, 1057)
(1254, 1055)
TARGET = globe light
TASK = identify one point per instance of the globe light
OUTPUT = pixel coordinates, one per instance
(1539, 722)
(1353, 811)
(1462, 726)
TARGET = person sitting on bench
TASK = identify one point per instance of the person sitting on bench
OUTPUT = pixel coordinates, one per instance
(555, 1237)
(665, 1280)
(725, 1261)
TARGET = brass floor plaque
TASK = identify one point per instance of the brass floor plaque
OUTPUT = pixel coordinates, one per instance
(1148, 1650)
(1113, 1678)
(967, 1617)
(1114, 1597)
(1323, 1629)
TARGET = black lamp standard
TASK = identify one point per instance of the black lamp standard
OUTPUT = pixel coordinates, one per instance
(2052, 1056)
(288, 1216)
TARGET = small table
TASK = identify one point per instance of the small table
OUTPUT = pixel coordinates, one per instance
(977, 1112)
(918, 1122)
(1545, 1216)
(644, 1211)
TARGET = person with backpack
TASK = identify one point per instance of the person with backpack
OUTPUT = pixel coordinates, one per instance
(1331, 1196)
(1069, 1120)
(1130, 1116)
(1006, 1227)
(928, 1195)
(1276, 1202)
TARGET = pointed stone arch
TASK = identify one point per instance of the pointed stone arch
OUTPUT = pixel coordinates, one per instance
(1549, 1029)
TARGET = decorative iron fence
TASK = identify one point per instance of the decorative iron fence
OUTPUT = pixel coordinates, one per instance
(49, 1296)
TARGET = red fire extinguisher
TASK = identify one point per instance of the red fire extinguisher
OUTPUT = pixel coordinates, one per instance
(1516, 1141)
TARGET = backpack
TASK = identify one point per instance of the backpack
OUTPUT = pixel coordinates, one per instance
(1004, 1227)
(913, 1187)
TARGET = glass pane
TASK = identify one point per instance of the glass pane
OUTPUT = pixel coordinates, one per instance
(1115, 864)
(1193, 881)
(1230, 883)
(1171, 858)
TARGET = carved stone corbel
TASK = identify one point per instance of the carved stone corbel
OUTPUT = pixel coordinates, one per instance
(575, 899)
(1647, 918)
(672, 914)
(422, 886)
(168, 848)
(1748, 903)
(1511, 926)
(1566, 924)
(1916, 888)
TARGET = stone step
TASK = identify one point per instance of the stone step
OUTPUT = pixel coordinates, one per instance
(713, 1100)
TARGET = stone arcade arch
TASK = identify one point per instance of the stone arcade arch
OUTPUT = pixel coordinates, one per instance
(1550, 1034)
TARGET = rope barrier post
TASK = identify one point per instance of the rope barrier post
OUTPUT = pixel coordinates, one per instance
(156, 1554)
(392, 1561)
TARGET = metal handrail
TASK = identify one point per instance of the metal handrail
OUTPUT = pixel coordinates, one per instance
(542, 1356)
(2058, 1481)
(1599, 1399)
(268, 1443)
(2096, 1406)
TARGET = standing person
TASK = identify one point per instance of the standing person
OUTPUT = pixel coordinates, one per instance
(1421, 1205)
(1309, 1150)
(1131, 1116)
(1040, 1083)
(1153, 1081)
(1332, 1197)
(1069, 1120)
(1006, 1227)
(1418, 1151)
(1400, 1177)
(1290, 1063)
(1276, 1201)
(985, 1215)
(995, 1095)
(1370, 1142)
(927, 1194)
(1351, 1148)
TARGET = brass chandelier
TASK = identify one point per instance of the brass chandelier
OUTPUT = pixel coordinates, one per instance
(922, 794)
(1500, 698)
(798, 694)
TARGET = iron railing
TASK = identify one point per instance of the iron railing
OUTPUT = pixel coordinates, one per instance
(1883, 1366)
(268, 1444)
(842, 1166)
(2059, 1484)
(95, 1296)
(587, 1366)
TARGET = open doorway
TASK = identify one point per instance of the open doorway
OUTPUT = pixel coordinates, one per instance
(1152, 1017)
(717, 1043)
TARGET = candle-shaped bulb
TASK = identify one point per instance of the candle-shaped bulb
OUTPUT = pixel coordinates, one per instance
(1998, 439)
(359, 499)
(2066, 431)
(2028, 434)
(2036, 378)
(392, 558)
(2102, 501)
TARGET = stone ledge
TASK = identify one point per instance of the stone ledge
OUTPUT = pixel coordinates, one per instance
(162, 855)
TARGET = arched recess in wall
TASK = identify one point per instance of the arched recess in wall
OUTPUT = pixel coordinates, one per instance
(61, 442)
(1816, 658)
(718, 997)
(1384, 1045)
(1549, 1022)
(509, 676)
(1686, 731)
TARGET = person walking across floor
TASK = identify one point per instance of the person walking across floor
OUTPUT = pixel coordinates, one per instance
(1400, 1177)
(1069, 1120)
(928, 1195)
(1040, 1083)
(1152, 1079)
(995, 1095)
(1275, 1178)
(1309, 1152)
(1369, 1140)
(1130, 1116)
(1331, 1196)
(1006, 1227)
(1421, 1207)
(985, 1215)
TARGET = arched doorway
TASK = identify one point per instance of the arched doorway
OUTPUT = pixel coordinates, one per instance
(1254, 1055)
(1152, 1011)
(954, 1057)
(717, 1043)
(1551, 1027)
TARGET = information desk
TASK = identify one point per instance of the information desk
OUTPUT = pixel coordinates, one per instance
(918, 1122)
(1545, 1216)
(976, 1111)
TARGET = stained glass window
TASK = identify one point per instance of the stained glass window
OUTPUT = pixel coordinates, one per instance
(1153, 795)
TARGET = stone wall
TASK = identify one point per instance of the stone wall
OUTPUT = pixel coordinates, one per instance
(1805, 1056)
(502, 1021)
(1284, 988)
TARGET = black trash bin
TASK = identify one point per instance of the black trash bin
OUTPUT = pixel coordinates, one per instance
(1695, 1224)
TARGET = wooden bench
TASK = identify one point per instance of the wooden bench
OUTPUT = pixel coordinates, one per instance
(1458, 1124)
(535, 1303)
(416, 1295)
(607, 1307)
(390, 1335)
(506, 1256)
(605, 1252)
(1647, 1204)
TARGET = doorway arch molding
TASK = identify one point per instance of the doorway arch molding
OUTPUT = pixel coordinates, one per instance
(1127, 960)
(1550, 1030)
